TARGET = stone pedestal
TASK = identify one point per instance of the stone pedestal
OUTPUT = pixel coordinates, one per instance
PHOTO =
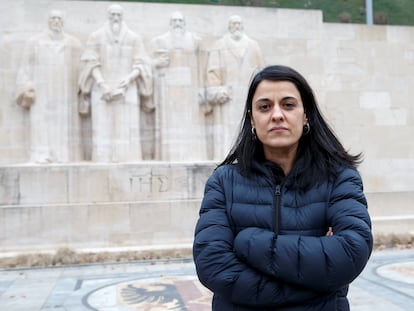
(142, 204)
(362, 76)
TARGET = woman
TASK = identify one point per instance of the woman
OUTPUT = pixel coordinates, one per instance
(283, 223)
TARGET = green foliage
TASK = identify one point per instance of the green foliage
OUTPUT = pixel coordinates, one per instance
(396, 12)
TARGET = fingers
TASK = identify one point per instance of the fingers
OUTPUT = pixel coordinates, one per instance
(330, 232)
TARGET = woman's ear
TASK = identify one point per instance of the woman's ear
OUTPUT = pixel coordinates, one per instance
(251, 118)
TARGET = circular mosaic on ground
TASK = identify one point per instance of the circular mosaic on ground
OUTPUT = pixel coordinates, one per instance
(161, 294)
(401, 272)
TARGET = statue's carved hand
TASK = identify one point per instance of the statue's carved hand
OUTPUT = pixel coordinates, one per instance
(218, 95)
(29, 94)
(105, 90)
(129, 78)
(223, 97)
(124, 83)
(162, 59)
(27, 98)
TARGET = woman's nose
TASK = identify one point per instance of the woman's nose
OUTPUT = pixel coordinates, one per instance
(277, 113)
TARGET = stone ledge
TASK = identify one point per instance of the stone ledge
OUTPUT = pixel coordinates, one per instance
(99, 183)
(68, 256)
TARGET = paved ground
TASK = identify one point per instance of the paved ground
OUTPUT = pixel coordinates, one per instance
(387, 284)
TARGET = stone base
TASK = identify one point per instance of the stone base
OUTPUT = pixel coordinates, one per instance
(99, 205)
(128, 206)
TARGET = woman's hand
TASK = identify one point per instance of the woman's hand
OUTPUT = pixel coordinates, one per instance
(330, 232)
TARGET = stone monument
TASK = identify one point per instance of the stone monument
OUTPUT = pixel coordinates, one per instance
(231, 63)
(115, 75)
(180, 128)
(140, 203)
(46, 87)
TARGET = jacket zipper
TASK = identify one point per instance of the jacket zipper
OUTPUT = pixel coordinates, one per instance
(277, 209)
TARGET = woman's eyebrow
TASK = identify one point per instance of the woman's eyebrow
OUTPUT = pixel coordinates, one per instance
(262, 99)
(266, 99)
(289, 97)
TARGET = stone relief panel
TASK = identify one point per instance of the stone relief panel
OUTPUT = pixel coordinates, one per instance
(180, 128)
(115, 74)
(231, 63)
(46, 88)
(175, 96)
(103, 183)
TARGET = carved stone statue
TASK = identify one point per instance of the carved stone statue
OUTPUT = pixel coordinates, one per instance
(179, 120)
(46, 86)
(115, 76)
(231, 63)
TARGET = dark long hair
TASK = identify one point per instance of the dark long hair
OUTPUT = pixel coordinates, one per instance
(319, 152)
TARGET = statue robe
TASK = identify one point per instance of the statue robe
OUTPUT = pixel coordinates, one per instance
(50, 68)
(115, 124)
(231, 65)
(180, 119)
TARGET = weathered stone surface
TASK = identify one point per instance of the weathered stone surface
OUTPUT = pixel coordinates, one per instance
(362, 77)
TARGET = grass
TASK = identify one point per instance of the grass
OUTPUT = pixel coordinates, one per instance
(392, 12)
(66, 256)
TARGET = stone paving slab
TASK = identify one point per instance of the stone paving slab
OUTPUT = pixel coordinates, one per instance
(387, 284)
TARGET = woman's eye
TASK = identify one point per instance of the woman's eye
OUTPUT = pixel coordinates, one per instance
(264, 107)
(289, 105)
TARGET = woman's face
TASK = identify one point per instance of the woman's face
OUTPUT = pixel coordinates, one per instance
(278, 116)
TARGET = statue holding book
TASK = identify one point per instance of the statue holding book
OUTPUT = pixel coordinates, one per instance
(115, 78)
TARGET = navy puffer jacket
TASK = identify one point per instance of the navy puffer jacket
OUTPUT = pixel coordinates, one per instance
(248, 266)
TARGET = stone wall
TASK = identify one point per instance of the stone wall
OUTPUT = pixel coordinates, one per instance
(97, 206)
(362, 76)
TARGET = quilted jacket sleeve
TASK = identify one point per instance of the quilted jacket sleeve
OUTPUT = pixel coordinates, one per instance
(324, 263)
(222, 272)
